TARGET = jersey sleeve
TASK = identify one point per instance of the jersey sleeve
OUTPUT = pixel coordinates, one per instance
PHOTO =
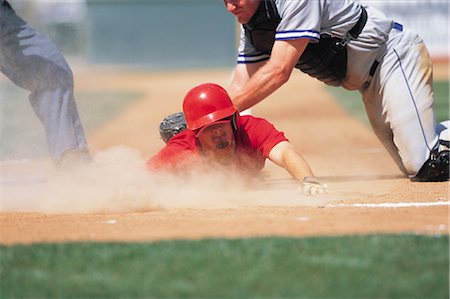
(263, 136)
(247, 53)
(299, 19)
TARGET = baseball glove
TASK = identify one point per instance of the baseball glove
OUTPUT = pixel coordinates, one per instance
(172, 125)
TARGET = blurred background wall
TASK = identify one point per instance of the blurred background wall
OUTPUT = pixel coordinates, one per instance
(429, 18)
(155, 34)
(168, 34)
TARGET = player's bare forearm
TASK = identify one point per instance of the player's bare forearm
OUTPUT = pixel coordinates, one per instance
(263, 83)
(256, 83)
(285, 155)
(296, 165)
(241, 75)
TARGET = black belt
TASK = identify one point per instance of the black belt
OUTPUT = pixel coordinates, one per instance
(6, 4)
(356, 30)
(373, 68)
(375, 64)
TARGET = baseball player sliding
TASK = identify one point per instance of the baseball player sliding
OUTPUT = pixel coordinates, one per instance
(218, 137)
(342, 43)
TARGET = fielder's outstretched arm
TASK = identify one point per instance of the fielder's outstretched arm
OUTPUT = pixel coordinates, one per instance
(243, 73)
(269, 76)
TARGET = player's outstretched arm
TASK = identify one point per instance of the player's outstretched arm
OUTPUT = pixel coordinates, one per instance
(285, 155)
(270, 76)
(242, 73)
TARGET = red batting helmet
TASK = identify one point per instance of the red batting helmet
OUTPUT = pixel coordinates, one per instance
(206, 104)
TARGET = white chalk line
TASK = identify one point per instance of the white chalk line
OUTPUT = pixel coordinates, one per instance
(393, 204)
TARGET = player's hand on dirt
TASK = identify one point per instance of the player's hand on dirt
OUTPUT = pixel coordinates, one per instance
(311, 186)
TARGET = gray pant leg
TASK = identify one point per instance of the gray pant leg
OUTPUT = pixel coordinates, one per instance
(399, 102)
(34, 63)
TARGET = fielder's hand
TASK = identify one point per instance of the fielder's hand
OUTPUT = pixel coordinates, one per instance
(311, 186)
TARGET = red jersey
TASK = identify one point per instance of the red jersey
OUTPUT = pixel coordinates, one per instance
(255, 138)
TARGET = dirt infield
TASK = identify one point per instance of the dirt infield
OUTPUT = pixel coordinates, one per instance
(368, 194)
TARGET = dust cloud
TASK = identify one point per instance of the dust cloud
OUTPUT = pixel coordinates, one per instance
(117, 181)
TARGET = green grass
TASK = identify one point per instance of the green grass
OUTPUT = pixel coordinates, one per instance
(378, 266)
(442, 100)
(351, 101)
